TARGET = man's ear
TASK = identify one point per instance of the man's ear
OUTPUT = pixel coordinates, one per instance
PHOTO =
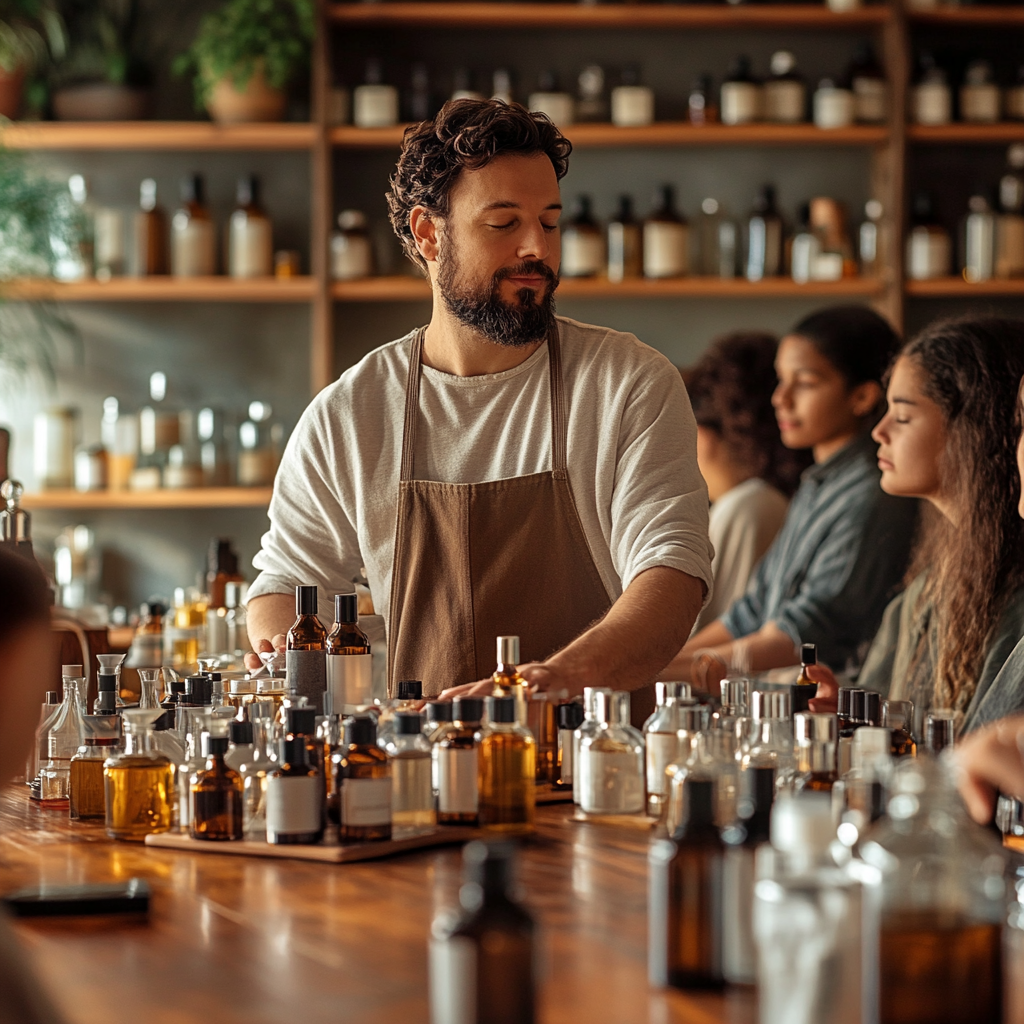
(424, 233)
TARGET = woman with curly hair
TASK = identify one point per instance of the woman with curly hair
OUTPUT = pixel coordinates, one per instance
(951, 436)
(750, 473)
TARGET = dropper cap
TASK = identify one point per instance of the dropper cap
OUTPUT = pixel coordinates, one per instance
(508, 650)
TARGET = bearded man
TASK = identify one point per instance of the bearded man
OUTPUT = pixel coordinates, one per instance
(502, 470)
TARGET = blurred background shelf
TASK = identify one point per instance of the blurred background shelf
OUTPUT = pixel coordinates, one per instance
(996, 16)
(958, 288)
(141, 135)
(967, 134)
(200, 497)
(164, 289)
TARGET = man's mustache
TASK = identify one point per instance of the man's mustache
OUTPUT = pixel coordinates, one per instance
(528, 268)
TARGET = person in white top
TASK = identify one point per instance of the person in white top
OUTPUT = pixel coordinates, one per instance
(750, 474)
(503, 470)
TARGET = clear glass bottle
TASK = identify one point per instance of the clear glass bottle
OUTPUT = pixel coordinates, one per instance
(625, 247)
(216, 792)
(764, 238)
(611, 764)
(690, 718)
(506, 678)
(294, 801)
(929, 248)
(438, 715)
(483, 961)
(456, 760)
(684, 947)
(306, 658)
(751, 831)
(943, 901)
(717, 241)
(193, 241)
(741, 94)
(64, 738)
(583, 249)
(408, 694)
(254, 773)
(193, 722)
(47, 716)
(349, 660)
(898, 718)
(785, 95)
(569, 718)
(508, 770)
(412, 795)
(661, 740)
(860, 796)
(816, 737)
(939, 730)
(771, 735)
(731, 718)
(363, 778)
(870, 247)
(666, 239)
(138, 784)
(588, 727)
(980, 96)
(86, 791)
(812, 924)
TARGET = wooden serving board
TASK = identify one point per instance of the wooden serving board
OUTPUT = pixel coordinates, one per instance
(641, 822)
(403, 840)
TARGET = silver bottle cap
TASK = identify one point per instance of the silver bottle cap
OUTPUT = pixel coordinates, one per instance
(691, 717)
(590, 697)
(734, 691)
(71, 671)
(770, 704)
(664, 692)
(812, 728)
(508, 650)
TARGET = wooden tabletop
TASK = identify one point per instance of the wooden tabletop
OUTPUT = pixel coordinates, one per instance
(233, 939)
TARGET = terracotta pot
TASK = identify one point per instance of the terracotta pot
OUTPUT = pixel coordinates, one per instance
(100, 101)
(12, 87)
(256, 102)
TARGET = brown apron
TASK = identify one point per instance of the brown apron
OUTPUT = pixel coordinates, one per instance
(475, 561)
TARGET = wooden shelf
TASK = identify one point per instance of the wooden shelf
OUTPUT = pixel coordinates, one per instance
(995, 16)
(958, 288)
(662, 133)
(164, 289)
(967, 134)
(183, 135)
(602, 16)
(408, 289)
(199, 497)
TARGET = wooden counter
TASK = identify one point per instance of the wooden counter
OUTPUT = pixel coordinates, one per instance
(251, 941)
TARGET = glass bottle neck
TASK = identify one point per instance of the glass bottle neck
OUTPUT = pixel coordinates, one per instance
(817, 757)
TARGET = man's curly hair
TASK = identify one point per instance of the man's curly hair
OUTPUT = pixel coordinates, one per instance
(465, 133)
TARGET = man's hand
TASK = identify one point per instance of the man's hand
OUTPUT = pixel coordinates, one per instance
(485, 687)
(252, 661)
(826, 700)
(992, 761)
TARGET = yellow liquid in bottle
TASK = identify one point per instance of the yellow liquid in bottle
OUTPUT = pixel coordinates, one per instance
(508, 788)
(412, 798)
(139, 794)
(88, 799)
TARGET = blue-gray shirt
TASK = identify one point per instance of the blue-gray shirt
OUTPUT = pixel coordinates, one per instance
(837, 561)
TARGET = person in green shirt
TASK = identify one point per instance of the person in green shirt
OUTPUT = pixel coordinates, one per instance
(950, 437)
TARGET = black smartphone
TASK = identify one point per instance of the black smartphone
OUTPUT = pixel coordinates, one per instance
(131, 897)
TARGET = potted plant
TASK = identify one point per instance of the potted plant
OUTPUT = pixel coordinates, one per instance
(245, 55)
(104, 75)
(31, 32)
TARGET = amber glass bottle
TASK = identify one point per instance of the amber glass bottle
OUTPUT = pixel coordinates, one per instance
(507, 680)
(294, 797)
(816, 737)
(456, 757)
(102, 737)
(305, 658)
(349, 662)
(364, 783)
(216, 795)
(805, 688)
(138, 784)
(898, 718)
(685, 897)
(508, 767)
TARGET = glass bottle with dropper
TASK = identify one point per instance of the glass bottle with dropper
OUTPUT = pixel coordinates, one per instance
(508, 786)
(102, 739)
(412, 797)
(139, 784)
(456, 762)
(216, 791)
(349, 661)
(66, 735)
(507, 680)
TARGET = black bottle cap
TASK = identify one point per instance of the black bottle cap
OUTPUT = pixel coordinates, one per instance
(346, 608)
(210, 745)
(240, 732)
(856, 705)
(305, 600)
(199, 691)
(176, 686)
(192, 189)
(293, 751)
(809, 654)
(300, 721)
(408, 723)
(843, 702)
(409, 689)
(501, 709)
(214, 677)
(51, 697)
(872, 708)
(570, 716)
(106, 702)
(164, 722)
(439, 711)
(106, 682)
(360, 730)
(468, 710)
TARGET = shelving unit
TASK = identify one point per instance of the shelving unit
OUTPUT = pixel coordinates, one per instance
(199, 497)
(958, 288)
(967, 134)
(156, 135)
(164, 289)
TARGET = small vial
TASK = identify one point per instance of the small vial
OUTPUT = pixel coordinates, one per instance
(570, 718)
(805, 688)
(939, 731)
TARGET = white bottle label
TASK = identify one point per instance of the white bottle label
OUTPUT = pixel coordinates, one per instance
(293, 805)
(375, 106)
(192, 246)
(632, 106)
(833, 108)
(457, 791)
(366, 801)
(666, 249)
(350, 680)
(610, 782)
(933, 103)
(582, 253)
(559, 106)
(351, 257)
(453, 981)
(741, 102)
(870, 100)
(251, 250)
(662, 750)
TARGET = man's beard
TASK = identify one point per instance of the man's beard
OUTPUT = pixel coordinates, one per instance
(525, 320)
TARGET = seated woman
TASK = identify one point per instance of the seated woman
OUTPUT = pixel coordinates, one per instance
(951, 437)
(842, 551)
(750, 473)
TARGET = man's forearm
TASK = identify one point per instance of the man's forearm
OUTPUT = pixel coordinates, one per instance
(630, 646)
(766, 649)
(268, 616)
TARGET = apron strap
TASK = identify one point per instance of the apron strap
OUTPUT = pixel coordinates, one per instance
(559, 419)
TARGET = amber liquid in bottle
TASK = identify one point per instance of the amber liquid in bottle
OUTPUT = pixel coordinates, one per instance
(87, 798)
(508, 771)
(938, 969)
(506, 678)
(456, 752)
(902, 744)
(362, 761)
(139, 796)
(216, 797)
(412, 804)
(150, 229)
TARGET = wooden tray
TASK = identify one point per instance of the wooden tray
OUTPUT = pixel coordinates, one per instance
(641, 822)
(404, 840)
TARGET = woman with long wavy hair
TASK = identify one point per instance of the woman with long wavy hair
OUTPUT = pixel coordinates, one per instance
(950, 436)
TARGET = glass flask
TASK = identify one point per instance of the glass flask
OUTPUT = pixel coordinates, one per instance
(216, 791)
(812, 922)
(66, 735)
(611, 764)
(110, 664)
(898, 718)
(196, 722)
(588, 727)
(412, 795)
(684, 947)
(139, 783)
(508, 770)
(102, 739)
(661, 740)
(943, 893)
(151, 694)
(37, 757)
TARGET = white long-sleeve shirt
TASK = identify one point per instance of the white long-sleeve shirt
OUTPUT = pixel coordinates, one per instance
(631, 461)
